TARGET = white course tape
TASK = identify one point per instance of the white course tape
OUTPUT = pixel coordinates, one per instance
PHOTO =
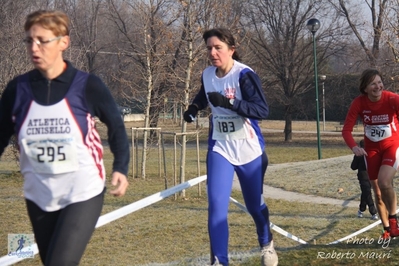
(358, 232)
(111, 216)
(10, 260)
(272, 226)
(114, 215)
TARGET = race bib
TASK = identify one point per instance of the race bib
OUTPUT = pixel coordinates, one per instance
(228, 127)
(52, 155)
(378, 132)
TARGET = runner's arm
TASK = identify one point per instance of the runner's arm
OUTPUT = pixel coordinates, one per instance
(200, 100)
(350, 122)
(6, 105)
(253, 103)
(101, 104)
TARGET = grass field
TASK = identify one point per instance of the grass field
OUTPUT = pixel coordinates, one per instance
(174, 232)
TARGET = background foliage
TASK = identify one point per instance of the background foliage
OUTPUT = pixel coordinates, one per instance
(151, 52)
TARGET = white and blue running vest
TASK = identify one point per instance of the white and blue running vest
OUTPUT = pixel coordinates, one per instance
(61, 155)
(235, 137)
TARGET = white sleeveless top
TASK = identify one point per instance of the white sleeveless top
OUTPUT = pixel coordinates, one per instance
(60, 163)
(235, 137)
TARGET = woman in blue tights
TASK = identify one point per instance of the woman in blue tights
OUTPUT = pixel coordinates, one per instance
(234, 94)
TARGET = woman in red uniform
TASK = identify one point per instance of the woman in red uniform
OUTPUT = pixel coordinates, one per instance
(378, 109)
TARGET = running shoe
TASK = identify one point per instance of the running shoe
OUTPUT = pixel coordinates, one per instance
(374, 217)
(359, 214)
(269, 255)
(385, 235)
(393, 227)
(216, 263)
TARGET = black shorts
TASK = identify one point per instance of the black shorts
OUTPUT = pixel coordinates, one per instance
(62, 235)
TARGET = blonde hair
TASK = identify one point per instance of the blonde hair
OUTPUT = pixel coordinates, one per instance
(56, 21)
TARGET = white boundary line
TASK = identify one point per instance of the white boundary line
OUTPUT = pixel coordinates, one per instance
(119, 213)
(359, 231)
(10, 260)
(272, 226)
(114, 215)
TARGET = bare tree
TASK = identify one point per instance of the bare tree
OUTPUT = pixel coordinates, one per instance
(188, 37)
(12, 50)
(87, 34)
(282, 45)
(143, 25)
(368, 32)
(390, 52)
(393, 35)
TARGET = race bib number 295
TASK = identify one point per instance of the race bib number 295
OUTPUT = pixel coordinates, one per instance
(52, 156)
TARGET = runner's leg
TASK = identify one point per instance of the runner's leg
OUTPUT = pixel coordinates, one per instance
(43, 224)
(251, 178)
(73, 231)
(219, 184)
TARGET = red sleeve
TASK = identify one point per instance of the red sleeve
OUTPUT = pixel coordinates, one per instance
(394, 101)
(350, 121)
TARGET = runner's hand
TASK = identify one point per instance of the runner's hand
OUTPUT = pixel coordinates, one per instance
(119, 181)
(359, 151)
(190, 114)
(218, 99)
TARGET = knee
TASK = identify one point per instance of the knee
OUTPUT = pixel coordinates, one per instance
(385, 183)
(259, 211)
(253, 211)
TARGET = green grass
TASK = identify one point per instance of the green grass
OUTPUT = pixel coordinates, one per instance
(278, 154)
(176, 230)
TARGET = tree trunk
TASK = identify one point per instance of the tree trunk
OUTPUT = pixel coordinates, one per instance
(147, 109)
(288, 126)
(186, 96)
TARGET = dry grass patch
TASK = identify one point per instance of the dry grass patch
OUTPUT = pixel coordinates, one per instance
(174, 232)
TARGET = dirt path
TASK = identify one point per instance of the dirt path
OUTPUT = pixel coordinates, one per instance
(277, 193)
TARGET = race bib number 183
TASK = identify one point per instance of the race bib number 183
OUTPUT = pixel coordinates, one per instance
(228, 127)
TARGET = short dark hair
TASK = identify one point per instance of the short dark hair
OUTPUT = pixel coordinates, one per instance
(223, 35)
(367, 77)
